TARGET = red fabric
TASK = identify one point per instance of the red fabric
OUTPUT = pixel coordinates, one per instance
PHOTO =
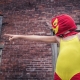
(65, 23)
(76, 77)
(56, 77)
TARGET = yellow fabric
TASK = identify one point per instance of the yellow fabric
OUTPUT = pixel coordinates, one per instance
(68, 62)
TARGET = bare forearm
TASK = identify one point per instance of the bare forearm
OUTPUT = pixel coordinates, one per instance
(36, 38)
(49, 39)
(29, 37)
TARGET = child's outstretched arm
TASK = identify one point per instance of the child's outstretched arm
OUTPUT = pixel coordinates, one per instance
(48, 39)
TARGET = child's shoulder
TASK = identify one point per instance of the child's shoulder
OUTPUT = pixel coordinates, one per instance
(71, 37)
(67, 38)
(78, 34)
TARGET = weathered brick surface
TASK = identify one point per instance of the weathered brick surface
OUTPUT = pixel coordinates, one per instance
(27, 60)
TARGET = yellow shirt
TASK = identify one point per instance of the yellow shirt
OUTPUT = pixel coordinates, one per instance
(68, 62)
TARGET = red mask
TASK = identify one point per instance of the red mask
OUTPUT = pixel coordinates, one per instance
(64, 25)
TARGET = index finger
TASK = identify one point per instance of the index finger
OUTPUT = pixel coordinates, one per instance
(7, 35)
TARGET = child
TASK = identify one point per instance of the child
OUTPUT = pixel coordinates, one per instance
(68, 62)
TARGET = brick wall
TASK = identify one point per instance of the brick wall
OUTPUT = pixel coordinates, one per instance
(28, 60)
